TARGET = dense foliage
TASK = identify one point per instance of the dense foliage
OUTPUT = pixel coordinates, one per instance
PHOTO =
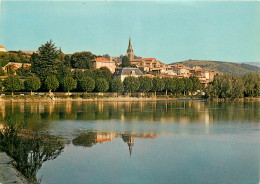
(13, 83)
(126, 62)
(131, 84)
(101, 85)
(227, 86)
(87, 84)
(68, 84)
(32, 83)
(117, 85)
(51, 83)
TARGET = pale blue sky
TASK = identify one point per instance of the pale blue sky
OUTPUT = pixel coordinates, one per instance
(169, 31)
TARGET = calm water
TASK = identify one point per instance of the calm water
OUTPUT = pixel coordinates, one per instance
(147, 142)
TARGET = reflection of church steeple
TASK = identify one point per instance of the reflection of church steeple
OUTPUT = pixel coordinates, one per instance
(127, 138)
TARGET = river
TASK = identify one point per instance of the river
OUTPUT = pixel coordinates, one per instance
(146, 142)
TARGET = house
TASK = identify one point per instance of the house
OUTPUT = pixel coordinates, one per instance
(122, 73)
(104, 62)
(2, 49)
(15, 66)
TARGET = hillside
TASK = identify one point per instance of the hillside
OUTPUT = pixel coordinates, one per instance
(224, 67)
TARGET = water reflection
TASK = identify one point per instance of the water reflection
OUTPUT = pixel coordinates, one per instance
(181, 112)
(91, 138)
(28, 149)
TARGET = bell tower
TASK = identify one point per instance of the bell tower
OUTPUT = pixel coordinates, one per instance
(130, 51)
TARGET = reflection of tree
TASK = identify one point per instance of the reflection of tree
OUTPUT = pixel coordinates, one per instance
(168, 111)
(85, 139)
(29, 150)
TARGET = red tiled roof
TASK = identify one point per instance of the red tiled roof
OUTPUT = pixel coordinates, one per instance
(100, 59)
(2, 46)
(148, 59)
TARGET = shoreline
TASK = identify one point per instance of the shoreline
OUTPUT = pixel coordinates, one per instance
(8, 173)
(122, 99)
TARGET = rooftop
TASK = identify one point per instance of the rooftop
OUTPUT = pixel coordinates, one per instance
(101, 59)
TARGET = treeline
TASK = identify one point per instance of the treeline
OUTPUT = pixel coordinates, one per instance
(227, 86)
(51, 70)
(100, 80)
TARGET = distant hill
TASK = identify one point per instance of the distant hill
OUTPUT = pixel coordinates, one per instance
(223, 67)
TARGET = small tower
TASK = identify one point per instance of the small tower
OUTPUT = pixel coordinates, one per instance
(130, 51)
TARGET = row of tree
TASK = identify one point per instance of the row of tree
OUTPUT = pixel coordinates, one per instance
(85, 83)
(227, 86)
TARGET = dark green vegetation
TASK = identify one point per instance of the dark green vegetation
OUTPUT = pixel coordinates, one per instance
(226, 86)
(29, 150)
(234, 69)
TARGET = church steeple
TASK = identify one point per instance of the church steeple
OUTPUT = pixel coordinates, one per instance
(130, 51)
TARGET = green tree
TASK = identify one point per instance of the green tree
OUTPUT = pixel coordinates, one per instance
(32, 83)
(62, 72)
(68, 84)
(170, 85)
(180, 86)
(82, 60)
(106, 73)
(188, 85)
(101, 85)
(12, 83)
(51, 83)
(117, 85)
(252, 84)
(238, 87)
(158, 85)
(87, 84)
(146, 84)
(126, 62)
(196, 84)
(131, 84)
(46, 62)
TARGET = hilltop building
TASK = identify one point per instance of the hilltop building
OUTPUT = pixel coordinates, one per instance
(2, 49)
(130, 52)
(104, 62)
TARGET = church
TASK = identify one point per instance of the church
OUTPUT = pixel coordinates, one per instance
(149, 64)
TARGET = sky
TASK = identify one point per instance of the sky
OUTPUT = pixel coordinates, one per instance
(169, 31)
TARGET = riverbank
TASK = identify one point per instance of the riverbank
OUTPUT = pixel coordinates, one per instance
(119, 98)
(8, 174)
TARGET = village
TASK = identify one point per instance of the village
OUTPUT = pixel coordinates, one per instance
(150, 67)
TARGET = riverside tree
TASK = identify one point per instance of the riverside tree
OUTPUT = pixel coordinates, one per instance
(146, 84)
(158, 85)
(117, 85)
(51, 83)
(12, 83)
(196, 84)
(32, 83)
(170, 85)
(131, 84)
(68, 84)
(101, 85)
(188, 85)
(87, 84)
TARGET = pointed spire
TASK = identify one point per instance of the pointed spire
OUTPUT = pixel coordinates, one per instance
(130, 51)
(130, 145)
(130, 44)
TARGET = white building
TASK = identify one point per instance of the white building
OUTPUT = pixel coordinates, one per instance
(2, 49)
